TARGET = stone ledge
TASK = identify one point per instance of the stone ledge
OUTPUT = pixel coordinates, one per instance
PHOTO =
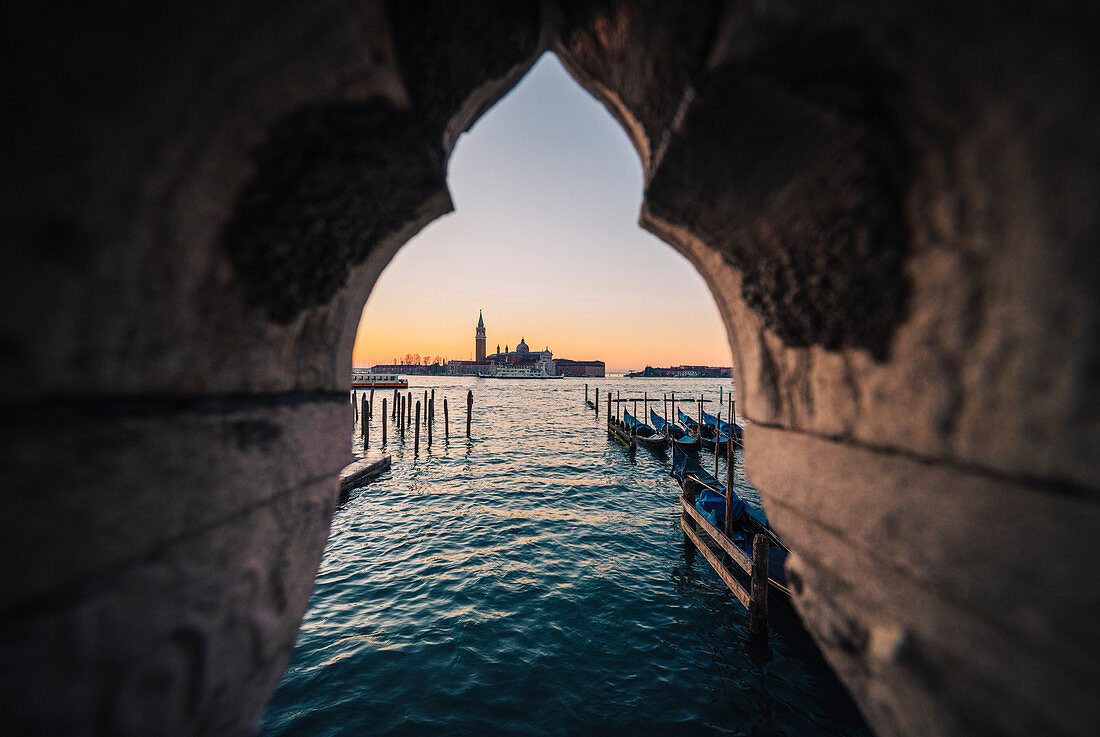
(362, 471)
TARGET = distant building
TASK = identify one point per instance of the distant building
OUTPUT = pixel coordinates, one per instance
(683, 372)
(479, 339)
(580, 368)
(413, 369)
(521, 357)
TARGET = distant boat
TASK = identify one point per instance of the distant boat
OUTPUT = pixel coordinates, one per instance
(377, 381)
(643, 433)
(680, 436)
(520, 372)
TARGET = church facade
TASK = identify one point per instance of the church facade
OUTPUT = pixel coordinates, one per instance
(522, 356)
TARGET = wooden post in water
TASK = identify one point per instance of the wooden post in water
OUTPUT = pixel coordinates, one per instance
(370, 406)
(597, 403)
(394, 406)
(758, 611)
(700, 421)
(718, 446)
(446, 421)
(664, 408)
(689, 497)
(672, 411)
(729, 487)
(469, 410)
(384, 422)
(733, 415)
(428, 421)
(363, 422)
(586, 394)
(609, 408)
(401, 414)
(416, 440)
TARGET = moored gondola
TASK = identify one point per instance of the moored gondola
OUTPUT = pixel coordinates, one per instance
(710, 501)
(705, 434)
(725, 428)
(643, 433)
(680, 437)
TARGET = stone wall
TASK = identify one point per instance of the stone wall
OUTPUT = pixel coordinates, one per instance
(894, 206)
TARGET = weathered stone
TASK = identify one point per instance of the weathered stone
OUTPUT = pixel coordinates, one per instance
(971, 576)
(894, 206)
(125, 479)
(190, 638)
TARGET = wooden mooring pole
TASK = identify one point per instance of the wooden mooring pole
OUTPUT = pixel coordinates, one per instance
(586, 393)
(416, 437)
(729, 487)
(597, 403)
(446, 421)
(428, 416)
(409, 408)
(370, 406)
(717, 444)
(469, 410)
(758, 608)
(384, 417)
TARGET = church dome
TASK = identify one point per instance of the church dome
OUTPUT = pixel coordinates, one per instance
(522, 347)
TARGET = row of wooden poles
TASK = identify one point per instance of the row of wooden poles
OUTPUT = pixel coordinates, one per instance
(401, 410)
(755, 598)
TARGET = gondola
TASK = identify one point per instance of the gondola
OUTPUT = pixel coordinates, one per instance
(726, 428)
(710, 501)
(643, 433)
(680, 437)
(706, 434)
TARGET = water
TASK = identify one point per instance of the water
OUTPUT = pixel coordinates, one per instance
(533, 581)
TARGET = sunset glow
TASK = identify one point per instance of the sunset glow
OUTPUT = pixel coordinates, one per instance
(544, 240)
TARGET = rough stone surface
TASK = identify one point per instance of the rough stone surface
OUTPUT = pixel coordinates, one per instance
(893, 204)
(126, 479)
(915, 575)
(191, 638)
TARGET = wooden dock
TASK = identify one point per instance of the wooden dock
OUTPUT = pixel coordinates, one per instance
(356, 474)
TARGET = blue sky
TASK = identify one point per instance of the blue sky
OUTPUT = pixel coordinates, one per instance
(544, 239)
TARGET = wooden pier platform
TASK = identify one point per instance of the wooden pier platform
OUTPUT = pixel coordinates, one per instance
(362, 471)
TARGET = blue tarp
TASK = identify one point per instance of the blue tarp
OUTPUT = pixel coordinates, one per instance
(710, 500)
(726, 429)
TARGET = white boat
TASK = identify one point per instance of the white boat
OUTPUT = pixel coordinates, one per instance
(520, 372)
(364, 380)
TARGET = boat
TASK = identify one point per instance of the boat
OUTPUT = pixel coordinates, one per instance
(643, 433)
(704, 433)
(710, 501)
(364, 380)
(520, 372)
(680, 437)
(726, 428)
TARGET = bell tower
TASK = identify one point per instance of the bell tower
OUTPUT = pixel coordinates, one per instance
(479, 339)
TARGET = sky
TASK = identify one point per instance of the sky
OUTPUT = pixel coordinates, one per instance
(545, 242)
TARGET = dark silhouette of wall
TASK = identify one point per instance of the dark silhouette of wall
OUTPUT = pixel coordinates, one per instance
(895, 208)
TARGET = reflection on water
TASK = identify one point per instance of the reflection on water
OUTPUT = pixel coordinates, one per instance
(532, 580)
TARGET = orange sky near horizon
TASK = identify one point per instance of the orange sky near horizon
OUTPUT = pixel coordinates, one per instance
(544, 239)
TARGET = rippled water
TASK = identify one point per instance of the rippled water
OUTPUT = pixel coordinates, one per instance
(532, 581)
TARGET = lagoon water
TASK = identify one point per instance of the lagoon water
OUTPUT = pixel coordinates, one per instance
(532, 581)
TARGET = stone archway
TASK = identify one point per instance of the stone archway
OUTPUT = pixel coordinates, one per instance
(893, 207)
